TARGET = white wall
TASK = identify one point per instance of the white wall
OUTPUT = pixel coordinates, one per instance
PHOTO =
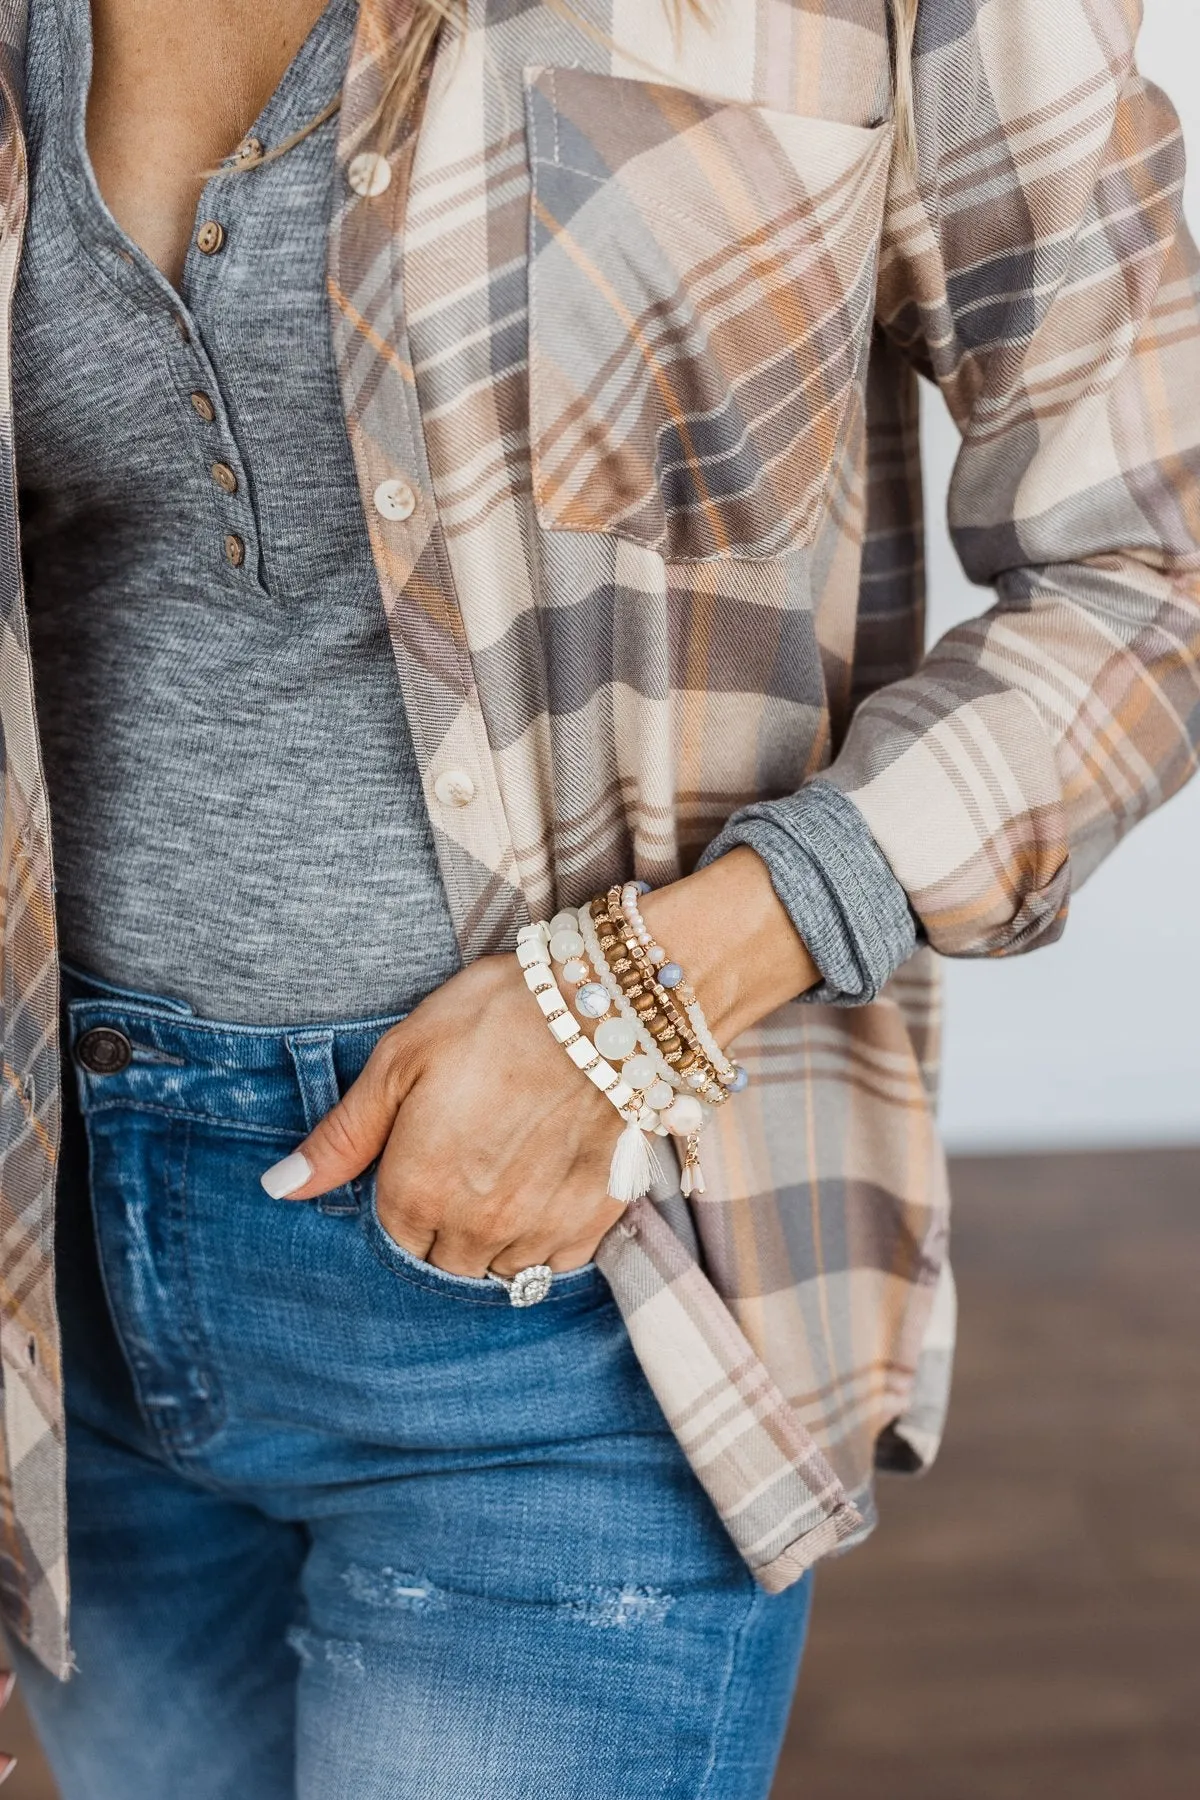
(1096, 1040)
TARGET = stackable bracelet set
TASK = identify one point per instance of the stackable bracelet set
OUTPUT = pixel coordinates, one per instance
(651, 1053)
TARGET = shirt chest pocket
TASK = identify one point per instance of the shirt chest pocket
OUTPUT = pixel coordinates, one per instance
(702, 285)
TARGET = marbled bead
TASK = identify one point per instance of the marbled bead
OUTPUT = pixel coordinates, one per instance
(564, 945)
(592, 1001)
(670, 975)
(616, 1039)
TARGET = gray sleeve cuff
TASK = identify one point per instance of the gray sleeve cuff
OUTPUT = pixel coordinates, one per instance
(836, 884)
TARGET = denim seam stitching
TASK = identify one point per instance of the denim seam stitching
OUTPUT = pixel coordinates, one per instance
(722, 1707)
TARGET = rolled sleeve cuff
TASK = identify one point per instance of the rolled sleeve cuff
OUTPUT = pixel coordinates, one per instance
(837, 885)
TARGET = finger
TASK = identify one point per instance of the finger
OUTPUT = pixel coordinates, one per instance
(418, 1243)
(463, 1256)
(525, 1253)
(352, 1134)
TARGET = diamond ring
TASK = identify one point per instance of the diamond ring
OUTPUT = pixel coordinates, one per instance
(527, 1286)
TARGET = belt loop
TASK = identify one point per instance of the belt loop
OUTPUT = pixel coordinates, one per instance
(312, 1054)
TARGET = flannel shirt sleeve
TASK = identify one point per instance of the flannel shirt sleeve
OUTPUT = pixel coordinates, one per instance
(1036, 266)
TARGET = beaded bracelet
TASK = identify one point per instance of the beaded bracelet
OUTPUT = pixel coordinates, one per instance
(632, 1168)
(671, 976)
(631, 964)
(612, 1035)
(686, 1115)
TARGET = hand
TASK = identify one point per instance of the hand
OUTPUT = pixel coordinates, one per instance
(493, 1149)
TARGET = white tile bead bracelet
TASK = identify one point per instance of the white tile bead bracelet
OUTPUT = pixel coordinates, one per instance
(632, 1168)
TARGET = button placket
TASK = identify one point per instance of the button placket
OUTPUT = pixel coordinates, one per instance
(221, 457)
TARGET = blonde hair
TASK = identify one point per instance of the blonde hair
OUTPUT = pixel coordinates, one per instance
(429, 16)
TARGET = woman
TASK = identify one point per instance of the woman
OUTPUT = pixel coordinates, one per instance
(466, 459)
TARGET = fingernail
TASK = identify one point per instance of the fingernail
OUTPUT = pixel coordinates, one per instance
(8, 1682)
(283, 1178)
(7, 1765)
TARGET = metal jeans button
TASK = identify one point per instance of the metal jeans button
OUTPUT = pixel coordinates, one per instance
(104, 1051)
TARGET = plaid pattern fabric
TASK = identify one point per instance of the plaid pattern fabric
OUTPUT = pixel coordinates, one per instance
(640, 321)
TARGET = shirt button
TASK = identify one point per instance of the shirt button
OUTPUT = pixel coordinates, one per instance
(235, 551)
(210, 237)
(203, 408)
(248, 151)
(395, 499)
(225, 478)
(369, 174)
(454, 787)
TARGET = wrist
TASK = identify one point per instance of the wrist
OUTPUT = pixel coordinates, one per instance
(726, 926)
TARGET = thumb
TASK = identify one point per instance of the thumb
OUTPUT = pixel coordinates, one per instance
(352, 1134)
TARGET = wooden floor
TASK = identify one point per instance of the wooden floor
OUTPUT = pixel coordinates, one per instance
(1026, 1623)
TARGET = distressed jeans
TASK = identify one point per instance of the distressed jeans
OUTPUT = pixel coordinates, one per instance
(344, 1527)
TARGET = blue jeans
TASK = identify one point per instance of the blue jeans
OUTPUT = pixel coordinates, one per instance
(344, 1527)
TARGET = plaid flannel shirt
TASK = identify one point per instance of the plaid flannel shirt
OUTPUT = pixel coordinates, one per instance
(640, 321)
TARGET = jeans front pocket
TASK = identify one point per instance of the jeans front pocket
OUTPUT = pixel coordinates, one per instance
(469, 1288)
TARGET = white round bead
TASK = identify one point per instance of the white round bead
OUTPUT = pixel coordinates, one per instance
(684, 1116)
(563, 921)
(565, 944)
(640, 1071)
(616, 1038)
(592, 1002)
(660, 1095)
(575, 970)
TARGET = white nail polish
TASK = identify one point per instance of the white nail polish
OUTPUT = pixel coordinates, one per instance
(283, 1178)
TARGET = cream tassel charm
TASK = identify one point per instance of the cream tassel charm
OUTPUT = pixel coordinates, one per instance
(691, 1179)
(632, 1169)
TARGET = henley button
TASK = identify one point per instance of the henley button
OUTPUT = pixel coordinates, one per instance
(203, 408)
(394, 499)
(210, 237)
(369, 174)
(454, 787)
(104, 1051)
(224, 477)
(235, 551)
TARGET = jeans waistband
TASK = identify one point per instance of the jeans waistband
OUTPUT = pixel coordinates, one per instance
(145, 1051)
